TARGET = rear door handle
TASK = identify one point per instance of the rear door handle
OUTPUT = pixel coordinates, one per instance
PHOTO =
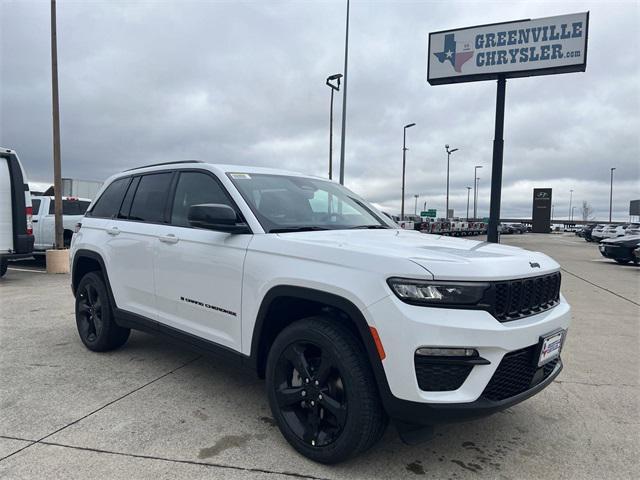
(113, 231)
(169, 238)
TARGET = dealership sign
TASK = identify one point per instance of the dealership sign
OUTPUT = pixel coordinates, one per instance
(522, 48)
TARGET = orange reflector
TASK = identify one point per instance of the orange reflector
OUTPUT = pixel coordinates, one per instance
(376, 339)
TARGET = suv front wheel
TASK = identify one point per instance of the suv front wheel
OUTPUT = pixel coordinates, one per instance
(94, 316)
(322, 392)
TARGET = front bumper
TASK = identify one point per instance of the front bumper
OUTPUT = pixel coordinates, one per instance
(404, 328)
(619, 252)
(439, 413)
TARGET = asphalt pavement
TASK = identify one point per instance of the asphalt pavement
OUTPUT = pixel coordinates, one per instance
(156, 410)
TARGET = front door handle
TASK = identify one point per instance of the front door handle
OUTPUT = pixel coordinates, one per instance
(169, 238)
(113, 231)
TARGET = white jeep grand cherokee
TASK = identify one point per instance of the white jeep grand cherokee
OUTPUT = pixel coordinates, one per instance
(350, 319)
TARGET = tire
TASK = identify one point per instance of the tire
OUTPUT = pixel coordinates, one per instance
(347, 418)
(94, 316)
(3, 267)
(622, 262)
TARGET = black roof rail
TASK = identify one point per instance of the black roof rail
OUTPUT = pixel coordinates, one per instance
(164, 163)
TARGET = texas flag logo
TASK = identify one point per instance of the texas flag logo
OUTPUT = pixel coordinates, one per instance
(449, 53)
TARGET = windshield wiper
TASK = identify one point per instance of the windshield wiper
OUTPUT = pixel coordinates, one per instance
(369, 227)
(297, 229)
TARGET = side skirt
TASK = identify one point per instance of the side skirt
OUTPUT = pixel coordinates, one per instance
(192, 342)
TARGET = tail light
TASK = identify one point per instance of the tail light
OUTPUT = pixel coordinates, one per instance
(77, 227)
(29, 213)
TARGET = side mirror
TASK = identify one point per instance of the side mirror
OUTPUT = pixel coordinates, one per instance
(215, 216)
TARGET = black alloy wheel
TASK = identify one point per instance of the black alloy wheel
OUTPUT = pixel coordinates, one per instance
(322, 392)
(94, 316)
(89, 315)
(310, 393)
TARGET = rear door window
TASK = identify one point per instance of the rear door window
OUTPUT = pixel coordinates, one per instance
(128, 198)
(150, 198)
(109, 202)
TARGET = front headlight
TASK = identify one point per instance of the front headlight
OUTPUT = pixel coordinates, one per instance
(433, 293)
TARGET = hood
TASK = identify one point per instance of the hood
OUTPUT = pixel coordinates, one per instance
(446, 258)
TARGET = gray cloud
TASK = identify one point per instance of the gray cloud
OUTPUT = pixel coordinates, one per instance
(243, 82)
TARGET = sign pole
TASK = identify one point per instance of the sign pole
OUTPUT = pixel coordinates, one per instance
(496, 167)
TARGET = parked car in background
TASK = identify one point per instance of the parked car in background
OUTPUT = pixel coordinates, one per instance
(16, 229)
(620, 249)
(585, 232)
(597, 233)
(73, 209)
(518, 228)
(633, 229)
(505, 229)
(614, 231)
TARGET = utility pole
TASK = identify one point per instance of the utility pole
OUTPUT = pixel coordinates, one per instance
(344, 98)
(57, 169)
(468, 194)
(611, 195)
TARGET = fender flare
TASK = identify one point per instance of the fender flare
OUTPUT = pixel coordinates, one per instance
(84, 253)
(332, 300)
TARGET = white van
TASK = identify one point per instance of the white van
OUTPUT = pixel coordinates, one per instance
(16, 228)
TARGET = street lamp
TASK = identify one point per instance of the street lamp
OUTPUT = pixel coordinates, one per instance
(404, 161)
(611, 195)
(572, 209)
(570, 201)
(475, 194)
(468, 193)
(415, 207)
(335, 87)
(449, 152)
(478, 189)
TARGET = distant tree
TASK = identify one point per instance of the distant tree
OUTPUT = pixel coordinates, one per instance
(587, 211)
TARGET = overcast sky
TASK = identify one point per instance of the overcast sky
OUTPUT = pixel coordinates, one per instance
(243, 83)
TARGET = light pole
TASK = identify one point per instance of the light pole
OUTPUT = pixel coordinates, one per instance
(553, 205)
(468, 194)
(344, 98)
(611, 195)
(404, 162)
(334, 88)
(570, 201)
(475, 193)
(572, 209)
(449, 152)
(478, 189)
(415, 207)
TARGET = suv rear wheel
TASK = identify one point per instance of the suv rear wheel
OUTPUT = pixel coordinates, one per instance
(94, 316)
(322, 392)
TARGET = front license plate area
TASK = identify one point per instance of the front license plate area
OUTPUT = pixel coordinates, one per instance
(550, 346)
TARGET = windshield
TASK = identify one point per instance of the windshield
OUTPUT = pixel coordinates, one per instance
(284, 203)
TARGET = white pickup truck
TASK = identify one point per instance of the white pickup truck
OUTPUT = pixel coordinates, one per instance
(73, 209)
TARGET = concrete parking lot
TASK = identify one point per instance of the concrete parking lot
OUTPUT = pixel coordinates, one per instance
(156, 410)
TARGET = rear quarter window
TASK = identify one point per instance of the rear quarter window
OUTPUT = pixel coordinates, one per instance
(108, 205)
